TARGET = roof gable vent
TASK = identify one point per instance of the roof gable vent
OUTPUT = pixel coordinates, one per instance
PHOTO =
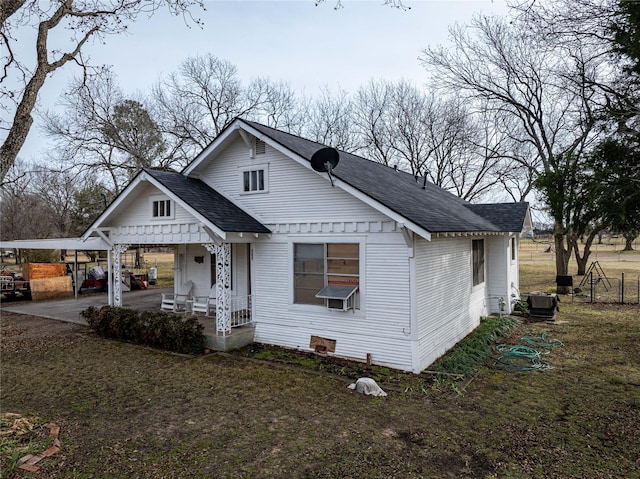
(261, 147)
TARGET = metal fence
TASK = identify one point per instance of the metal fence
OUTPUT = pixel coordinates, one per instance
(592, 288)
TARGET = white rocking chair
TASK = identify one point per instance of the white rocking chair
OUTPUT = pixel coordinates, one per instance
(205, 304)
(177, 302)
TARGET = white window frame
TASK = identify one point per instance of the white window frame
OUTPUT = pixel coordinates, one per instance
(473, 263)
(360, 293)
(249, 170)
(166, 200)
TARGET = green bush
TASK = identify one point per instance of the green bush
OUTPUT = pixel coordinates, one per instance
(157, 329)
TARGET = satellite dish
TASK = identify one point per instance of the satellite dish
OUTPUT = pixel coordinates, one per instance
(325, 160)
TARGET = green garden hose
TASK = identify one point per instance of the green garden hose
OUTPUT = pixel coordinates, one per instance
(526, 358)
(541, 341)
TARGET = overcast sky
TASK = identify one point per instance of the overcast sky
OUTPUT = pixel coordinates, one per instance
(307, 46)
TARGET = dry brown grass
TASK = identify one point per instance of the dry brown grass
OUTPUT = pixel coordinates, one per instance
(538, 270)
(126, 411)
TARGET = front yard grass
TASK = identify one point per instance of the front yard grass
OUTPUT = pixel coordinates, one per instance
(127, 411)
(130, 411)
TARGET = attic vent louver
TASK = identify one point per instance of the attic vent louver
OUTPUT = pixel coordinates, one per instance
(261, 147)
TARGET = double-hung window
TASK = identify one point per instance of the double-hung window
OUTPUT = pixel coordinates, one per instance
(161, 208)
(477, 250)
(254, 179)
(317, 265)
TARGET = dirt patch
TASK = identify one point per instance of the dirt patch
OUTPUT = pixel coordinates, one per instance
(20, 332)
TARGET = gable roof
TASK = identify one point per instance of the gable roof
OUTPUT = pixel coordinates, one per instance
(208, 202)
(427, 205)
(506, 216)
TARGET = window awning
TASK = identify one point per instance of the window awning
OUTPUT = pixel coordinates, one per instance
(337, 292)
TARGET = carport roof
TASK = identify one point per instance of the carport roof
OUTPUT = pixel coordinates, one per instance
(90, 244)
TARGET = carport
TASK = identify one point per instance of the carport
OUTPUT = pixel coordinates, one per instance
(75, 244)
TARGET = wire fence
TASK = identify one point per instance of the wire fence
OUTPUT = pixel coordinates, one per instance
(595, 288)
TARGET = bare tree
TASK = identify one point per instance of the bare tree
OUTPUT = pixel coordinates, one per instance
(281, 107)
(104, 132)
(48, 202)
(411, 113)
(371, 116)
(546, 88)
(25, 214)
(196, 103)
(389, 3)
(329, 120)
(81, 20)
(432, 136)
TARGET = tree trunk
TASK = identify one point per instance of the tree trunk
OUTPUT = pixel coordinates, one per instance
(628, 238)
(582, 260)
(562, 256)
(22, 120)
(139, 258)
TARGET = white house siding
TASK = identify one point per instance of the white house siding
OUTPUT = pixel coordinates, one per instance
(380, 328)
(295, 193)
(134, 224)
(497, 271)
(301, 205)
(514, 273)
(448, 306)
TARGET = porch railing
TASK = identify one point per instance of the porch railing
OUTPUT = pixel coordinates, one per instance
(240, 311)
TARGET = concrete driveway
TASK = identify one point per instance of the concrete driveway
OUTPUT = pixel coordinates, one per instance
(69, 309)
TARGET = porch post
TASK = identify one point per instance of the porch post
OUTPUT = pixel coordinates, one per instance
(223, 285)
(109, 278)
(118, 249)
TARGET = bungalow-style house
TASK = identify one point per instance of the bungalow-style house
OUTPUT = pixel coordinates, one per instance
(362, 260)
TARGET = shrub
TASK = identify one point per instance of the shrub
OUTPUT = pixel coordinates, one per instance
(157, 329)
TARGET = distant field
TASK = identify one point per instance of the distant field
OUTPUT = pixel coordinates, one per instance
(538, 269)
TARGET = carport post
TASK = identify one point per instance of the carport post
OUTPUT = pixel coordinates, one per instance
(76, 288)
(118, 249)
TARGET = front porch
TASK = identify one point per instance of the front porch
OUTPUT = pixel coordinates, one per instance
(211, 277)
(68, 310)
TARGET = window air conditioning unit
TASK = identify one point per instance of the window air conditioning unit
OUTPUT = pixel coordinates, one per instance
(339, 298)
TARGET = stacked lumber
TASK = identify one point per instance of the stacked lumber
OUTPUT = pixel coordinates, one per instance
(32, 271)
(48, 281)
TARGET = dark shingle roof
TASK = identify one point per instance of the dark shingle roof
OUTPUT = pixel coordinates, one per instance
(209, 203)
(432, 208)
(506, 216)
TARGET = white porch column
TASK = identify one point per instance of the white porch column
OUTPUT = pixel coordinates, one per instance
(223, 285)
(109, 279)
(118, 249)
